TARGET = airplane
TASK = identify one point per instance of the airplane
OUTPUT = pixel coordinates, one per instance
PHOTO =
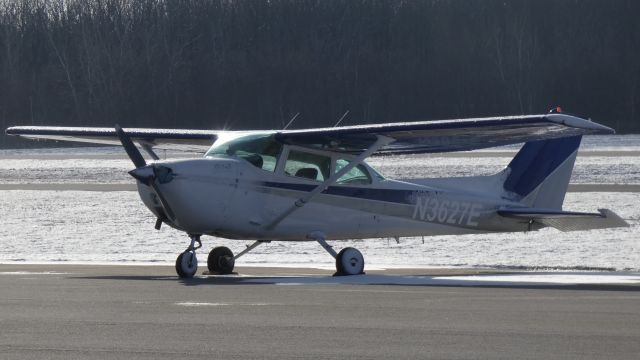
(314, 184)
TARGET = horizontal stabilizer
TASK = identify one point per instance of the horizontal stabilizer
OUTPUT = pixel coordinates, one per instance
(567, 220)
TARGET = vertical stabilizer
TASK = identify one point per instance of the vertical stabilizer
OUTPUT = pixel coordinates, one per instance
(539, 174)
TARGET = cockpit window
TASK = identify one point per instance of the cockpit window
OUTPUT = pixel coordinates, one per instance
(307, 165)
(261, 151)
(358, 175)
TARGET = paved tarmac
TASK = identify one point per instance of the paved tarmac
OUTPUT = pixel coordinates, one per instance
(145, 312)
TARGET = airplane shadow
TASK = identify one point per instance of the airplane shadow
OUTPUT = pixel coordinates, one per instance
(549, 281)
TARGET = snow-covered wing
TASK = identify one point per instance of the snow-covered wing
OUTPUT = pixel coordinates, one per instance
(407, 137)
(445, 135)
(170, 139)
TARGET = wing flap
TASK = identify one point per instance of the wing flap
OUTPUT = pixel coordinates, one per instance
(169, 139)
(566, 220)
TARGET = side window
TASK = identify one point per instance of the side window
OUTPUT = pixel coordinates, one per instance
(358, 175)
(308, 166)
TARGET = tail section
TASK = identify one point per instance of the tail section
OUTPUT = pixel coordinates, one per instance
(538, 176)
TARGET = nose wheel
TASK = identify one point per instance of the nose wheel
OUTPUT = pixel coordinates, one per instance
(187, 262)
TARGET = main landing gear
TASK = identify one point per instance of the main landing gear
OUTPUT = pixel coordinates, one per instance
(349, 261)
(221, 261)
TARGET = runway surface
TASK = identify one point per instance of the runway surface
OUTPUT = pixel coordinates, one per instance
(145, 312)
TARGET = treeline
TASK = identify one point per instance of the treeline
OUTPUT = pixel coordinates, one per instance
(255, 64)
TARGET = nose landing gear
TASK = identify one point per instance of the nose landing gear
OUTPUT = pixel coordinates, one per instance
(187, 263)
(220, 261)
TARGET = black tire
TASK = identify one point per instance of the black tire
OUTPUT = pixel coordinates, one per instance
(349, 262)
(221, 261)
(186, 272)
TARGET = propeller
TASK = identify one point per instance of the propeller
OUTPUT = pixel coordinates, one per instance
(150, 175)
(130, 148)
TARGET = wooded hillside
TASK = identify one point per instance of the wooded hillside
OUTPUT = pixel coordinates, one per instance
(255, 64)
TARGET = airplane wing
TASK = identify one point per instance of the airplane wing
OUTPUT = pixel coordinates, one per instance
(170, 139)
(567, 220)
(445, 135)
(406, 137)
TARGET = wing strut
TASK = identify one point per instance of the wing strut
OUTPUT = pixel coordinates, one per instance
(380, 142)
(149, 149)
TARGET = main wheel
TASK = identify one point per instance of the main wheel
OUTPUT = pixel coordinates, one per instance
(349, 262)
(221, 260)
(187, 264)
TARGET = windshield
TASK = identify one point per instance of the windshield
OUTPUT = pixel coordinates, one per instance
(261, 150)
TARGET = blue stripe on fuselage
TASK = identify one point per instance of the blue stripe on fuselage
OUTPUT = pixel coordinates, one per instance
(388, 195)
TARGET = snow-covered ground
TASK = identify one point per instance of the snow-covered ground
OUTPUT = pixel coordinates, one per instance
(115, 227)
(87, 226)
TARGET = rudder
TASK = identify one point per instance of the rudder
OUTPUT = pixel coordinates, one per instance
(539, 174)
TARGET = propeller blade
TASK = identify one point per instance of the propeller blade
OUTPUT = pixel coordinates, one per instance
(145, 174)
(165, 205)
(130, 148)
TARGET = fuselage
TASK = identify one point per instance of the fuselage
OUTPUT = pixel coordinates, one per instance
(236, 195)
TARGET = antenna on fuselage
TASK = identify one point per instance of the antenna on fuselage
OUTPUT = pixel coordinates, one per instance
(291, 121)
(342, 118)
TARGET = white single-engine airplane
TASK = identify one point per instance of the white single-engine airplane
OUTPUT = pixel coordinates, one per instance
(313, 185)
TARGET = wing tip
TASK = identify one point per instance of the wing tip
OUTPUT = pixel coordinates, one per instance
(11, 130)
(591, 127)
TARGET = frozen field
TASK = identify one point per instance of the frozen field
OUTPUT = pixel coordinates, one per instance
(588, 169)
(91, 226)
(115, 227)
